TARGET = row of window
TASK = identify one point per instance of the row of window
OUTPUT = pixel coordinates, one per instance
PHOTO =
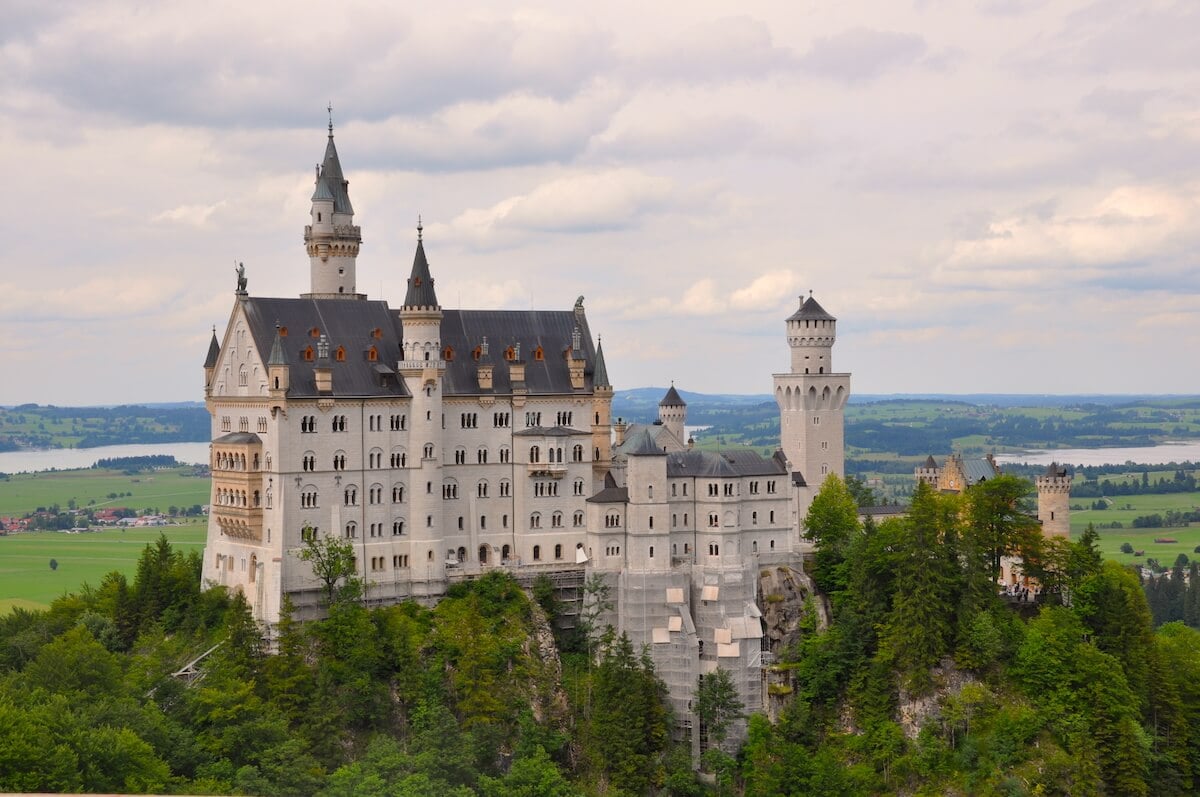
(376, 530)
(338, 423)
(399, 423)
(554, 454)
(243, 424)
(225, 460)
(729, 489)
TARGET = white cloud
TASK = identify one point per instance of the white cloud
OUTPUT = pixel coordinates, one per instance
(1129, 224)
(861, 54)
(195, 215)
(574, 203)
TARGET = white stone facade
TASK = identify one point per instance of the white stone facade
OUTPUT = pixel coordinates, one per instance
(443, 443)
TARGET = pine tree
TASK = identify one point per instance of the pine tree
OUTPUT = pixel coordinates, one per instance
(919, 629)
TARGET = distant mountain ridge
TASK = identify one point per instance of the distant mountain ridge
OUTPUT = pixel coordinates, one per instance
(640, 405)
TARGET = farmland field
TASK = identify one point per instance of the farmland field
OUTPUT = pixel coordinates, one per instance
(27, 580)
(25, 492)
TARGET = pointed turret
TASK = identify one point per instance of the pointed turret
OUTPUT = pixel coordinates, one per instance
(277, 357)
(210, 362)
(672, 412)
(214, 351)
(331, 239)
(600, 372)
(421, 315)
(602, 394)
(420, 282)
(672, 399)
(278, 371)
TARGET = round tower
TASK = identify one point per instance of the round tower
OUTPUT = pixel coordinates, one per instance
(1054, 501)
(811, 333)
(672, 413)
(331, 238)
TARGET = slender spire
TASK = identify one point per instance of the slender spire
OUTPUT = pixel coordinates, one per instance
(600, 372)
(420, 282)
(336, 186)
(214, 351)
(277, 357)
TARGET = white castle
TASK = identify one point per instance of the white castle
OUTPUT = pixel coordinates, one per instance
(447, 443)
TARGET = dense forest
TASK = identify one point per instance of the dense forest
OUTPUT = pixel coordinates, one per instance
(918, 679)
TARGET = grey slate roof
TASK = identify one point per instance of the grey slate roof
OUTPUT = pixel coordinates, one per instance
(349, 324)
(656, 430)
(463, 330)
(811, 311)
(611, 495)
(722, 465)
(420, 281)
(1055, 470)
(238, 437)
(672, 399)
(978, 469)
(600, 372)
(277, 357)
(335, 184)
(322, 191)
(641, 444)
(214, 352)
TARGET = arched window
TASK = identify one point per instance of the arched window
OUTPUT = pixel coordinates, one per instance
(535, 454)
(537, 553)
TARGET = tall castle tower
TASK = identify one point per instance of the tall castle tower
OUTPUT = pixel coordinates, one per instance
(812, 397)
(602, 396)
(423, 368)
(672, 413)
(1054, 501)
(330, 237)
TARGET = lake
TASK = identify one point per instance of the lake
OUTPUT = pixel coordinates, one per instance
(1142, 455)
(72, 458)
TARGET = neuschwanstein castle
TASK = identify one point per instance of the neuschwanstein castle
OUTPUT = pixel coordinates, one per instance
(446, 443)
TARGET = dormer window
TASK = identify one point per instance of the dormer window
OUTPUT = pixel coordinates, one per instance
(308, 354)
(448, 353)
(538, 354)
(340, 354)
(377, 333)
(315, 332)
(476, 353)
(372, 354)
(510, 354)
(283, 332)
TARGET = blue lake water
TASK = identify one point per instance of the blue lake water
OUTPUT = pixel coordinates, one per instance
(70, 458)
(1141, 455)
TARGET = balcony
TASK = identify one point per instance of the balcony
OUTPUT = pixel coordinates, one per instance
(553, 470)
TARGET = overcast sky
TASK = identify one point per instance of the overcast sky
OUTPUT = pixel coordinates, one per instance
(997, 200)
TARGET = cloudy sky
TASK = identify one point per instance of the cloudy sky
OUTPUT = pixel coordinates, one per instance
(1001, 199)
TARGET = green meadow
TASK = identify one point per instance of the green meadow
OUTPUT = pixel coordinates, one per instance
(23, 493)
(27, 580)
